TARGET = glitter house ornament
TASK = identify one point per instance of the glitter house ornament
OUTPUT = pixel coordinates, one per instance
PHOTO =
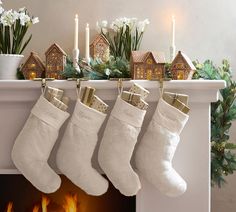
(55, 61)
(182, 67)
(147, 65)
(99, 48)
(33, 67)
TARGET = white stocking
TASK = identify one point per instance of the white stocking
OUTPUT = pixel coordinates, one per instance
(77, 148)
(35, 142)
(117, 146)
(156, 150)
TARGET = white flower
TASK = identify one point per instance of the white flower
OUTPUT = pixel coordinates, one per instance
(24, 19)
(0, 1)
(35, 20)
(133, 22)
(114, 27)
(7, 18)
(23, 9)
(1, 10)
(107, 71)
(118, 24)
(16, 15)
(142, 25)
(123, 23)
(102, 27)
(104, 24)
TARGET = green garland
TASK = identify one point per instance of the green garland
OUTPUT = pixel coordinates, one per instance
(113, 68)
(99, 70)
(223, 112)
(69, 71)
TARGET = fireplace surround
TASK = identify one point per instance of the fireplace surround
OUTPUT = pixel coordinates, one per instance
(192, 159)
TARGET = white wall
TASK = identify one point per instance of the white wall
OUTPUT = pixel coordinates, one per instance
(205, 30)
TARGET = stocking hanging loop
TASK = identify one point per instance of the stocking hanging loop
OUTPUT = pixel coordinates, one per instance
(120, 85)
(78, 84)
(43, 85)
(161, 84)
(43, 82)
(78, 87)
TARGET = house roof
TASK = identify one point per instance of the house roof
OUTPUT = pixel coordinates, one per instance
(36, 58)
(98, 37)
(185, 58)
(57, 47)
(141, 56)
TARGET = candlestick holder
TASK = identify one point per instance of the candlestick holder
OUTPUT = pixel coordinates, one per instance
(76, 60)
(172, 53)
(87, 60)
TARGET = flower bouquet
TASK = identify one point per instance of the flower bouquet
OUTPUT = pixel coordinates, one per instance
(13, 29)
(124, 35)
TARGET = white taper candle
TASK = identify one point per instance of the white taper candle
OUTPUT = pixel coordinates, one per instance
(173, 30)
(76, 42)
(172, 47)
(87, 53)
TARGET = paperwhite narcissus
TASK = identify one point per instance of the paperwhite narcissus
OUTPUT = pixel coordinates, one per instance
(9, 17)
(35, 20)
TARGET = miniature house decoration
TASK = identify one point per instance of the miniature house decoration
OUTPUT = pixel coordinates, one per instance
(99, 48)
(147, 65)
(182, 67)
(33, 67)
(55, 61)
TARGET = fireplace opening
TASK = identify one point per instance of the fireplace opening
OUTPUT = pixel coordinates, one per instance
(18, 195)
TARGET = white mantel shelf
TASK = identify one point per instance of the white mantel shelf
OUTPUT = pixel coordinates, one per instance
(12, 89)
(192, 158)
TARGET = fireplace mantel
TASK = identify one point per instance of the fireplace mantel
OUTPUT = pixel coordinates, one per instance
(192, 159)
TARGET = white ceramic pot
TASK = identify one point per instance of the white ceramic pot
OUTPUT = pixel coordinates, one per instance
(8, 66)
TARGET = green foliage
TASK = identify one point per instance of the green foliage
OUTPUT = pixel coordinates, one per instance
(11, 38)
(223, 112)
(168, 73)
(19, 74)
(124, 41)
(113, 68)
(98, 70)
(69, 71)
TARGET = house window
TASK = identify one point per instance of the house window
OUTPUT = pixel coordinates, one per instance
(179, 66)
(158, 73)
(48, 67)
(149, 61)
(32, 65)
(54, 75)
(139, 73)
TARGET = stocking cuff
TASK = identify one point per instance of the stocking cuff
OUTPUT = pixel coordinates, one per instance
(128, 113)
(86, 117)
(170, 117)
(49, 113)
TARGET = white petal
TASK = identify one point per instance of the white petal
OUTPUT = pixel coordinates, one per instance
(35, 20)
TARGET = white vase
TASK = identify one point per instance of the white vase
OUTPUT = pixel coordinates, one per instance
(8, 66)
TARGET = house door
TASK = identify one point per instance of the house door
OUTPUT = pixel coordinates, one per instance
(180, 75)
(149, 74)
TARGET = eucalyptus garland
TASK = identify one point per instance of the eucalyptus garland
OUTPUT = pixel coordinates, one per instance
(223, 112)
(70, 71)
